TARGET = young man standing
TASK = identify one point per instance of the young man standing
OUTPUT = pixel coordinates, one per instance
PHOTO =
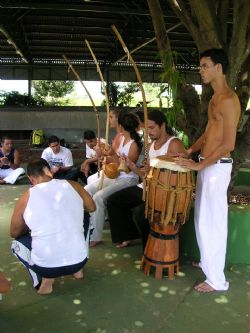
(214, 170)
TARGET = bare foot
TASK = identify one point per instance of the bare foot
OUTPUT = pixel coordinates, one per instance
(46, 286)
(2, 182)
(196, 264)
(79, 275)
(94, 243)
(123, 244)
(204, 287)
(5, 285)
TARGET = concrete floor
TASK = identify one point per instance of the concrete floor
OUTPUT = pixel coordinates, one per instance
(115, 296)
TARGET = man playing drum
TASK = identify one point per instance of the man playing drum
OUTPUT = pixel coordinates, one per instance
(214, 170)
(119, 204)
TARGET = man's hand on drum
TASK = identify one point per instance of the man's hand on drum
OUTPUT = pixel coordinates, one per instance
(188, 163)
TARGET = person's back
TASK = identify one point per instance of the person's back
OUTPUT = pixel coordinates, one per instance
(47, 224)
(56, 226)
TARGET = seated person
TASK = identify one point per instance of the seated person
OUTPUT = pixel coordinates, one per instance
(60, 160)
(125, 225)
(129, 147)
(113, 124)
(89, 166)
(9, 162)
(50, 217)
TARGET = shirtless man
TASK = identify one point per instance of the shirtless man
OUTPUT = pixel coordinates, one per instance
(214, 170)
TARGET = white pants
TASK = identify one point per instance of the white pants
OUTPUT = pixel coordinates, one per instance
(110, 186)
(94, 180)
(10, 176)
(211, 212)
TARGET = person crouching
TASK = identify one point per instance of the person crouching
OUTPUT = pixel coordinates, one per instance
(47, 224)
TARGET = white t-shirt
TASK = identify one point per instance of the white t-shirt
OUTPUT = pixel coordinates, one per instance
(54, 214)
(62, 159)
(90, 153)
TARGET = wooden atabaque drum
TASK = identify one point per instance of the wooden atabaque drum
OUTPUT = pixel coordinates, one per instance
(169, 190)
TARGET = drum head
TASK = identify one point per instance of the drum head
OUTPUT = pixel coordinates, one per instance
(164, 162)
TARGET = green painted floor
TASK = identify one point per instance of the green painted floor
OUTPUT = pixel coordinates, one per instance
(115, 296)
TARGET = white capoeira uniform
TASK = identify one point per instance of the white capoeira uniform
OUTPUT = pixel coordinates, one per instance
(110, 186)
(211, 212)
(10, 176)
(54, 214)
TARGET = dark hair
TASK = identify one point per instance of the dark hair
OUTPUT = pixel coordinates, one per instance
(36, 167)
(130, 123)
(218, 56)
(140, 115)
(160, 118)
(89, 135)
(5, 138)
(116, 111)
(52, 139)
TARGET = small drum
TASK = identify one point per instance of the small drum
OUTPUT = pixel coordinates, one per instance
(169, 190)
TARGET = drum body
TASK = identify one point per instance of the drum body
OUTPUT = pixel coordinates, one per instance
(169, 190)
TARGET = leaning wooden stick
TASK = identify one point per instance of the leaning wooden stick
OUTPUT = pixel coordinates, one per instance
(92, 102)
(107, 107)
(139, 79)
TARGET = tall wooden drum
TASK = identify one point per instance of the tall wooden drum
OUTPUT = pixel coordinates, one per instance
(169, 190)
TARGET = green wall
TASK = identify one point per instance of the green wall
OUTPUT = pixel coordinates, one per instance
(238, 245)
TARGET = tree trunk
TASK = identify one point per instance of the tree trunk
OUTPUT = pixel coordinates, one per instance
(206, 20)
(241, 148)
(159, 26)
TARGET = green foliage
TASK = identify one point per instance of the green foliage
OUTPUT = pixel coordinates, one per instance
(14, 98)
(172, 76)
(52, 92)
(112, 91)
(121, 96)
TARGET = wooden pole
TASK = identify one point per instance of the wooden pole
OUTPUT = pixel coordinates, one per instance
(92, 102)
(107, 107)
(139, 79)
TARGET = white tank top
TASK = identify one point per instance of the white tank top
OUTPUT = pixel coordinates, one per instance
(54, 214)
(124, 150)
(162, 151)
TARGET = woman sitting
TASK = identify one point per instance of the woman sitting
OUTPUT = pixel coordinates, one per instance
(129, 147)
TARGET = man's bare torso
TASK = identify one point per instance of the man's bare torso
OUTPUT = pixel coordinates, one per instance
(213, 135)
